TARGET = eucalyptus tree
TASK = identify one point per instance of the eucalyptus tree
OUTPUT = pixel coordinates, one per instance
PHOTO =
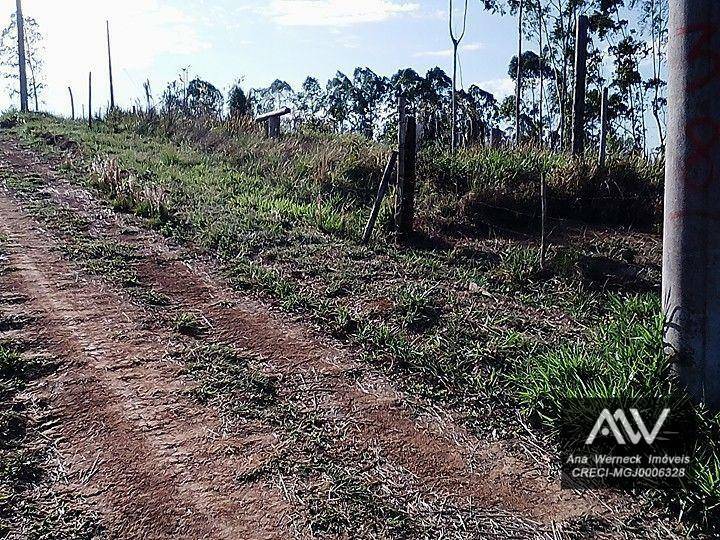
(203, 99)
(532, 69)
(310, 101)
(368, 91)
(238, 104)
(439, 99)
(34, 41)
(338, 100)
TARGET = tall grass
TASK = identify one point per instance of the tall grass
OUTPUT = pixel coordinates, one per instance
(477, 188)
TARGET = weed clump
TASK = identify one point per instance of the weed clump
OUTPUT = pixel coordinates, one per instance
(190, 324)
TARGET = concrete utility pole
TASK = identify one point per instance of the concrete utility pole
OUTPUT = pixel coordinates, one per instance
(691, 243)
(581, 39)
(603, 127)
(21, 57)
(112, 88)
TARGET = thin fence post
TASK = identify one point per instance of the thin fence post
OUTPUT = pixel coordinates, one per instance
(581, 39)
(110, 69)
(691, 236)
(72, 104)
(543, 220)
(603, 128)
(90, 118)
(399, 185)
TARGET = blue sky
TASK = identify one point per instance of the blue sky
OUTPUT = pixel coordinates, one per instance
(260, 40)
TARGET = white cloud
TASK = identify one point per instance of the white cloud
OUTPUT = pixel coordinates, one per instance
(500, 88)
(447, 53)
(336, 12)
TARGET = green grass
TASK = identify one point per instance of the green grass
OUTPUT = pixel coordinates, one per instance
(231, 378)
(471, 322)
(622, 358)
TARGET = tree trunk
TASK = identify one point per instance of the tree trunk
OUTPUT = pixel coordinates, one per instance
(578, 133)
(33, 81)
(542, 75)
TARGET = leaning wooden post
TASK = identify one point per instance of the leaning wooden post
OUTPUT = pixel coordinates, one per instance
(72, 104)
(21, 57)
(389, 169)
(581, 42)
(603, 128)
(90, 119)
(405, 195)
(112, 88)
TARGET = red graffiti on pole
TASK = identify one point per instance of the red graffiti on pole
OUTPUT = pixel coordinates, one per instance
(702, 132)
(703, 50)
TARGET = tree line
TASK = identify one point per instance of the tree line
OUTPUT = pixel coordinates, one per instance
(627, 54)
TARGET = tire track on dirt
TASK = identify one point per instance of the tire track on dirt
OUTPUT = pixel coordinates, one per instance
(157, 464)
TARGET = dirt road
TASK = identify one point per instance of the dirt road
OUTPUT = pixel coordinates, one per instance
(157, 462)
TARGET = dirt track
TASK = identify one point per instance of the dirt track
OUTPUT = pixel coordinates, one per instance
(156, 463)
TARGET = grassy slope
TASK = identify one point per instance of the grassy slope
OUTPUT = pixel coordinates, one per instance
(476, 326)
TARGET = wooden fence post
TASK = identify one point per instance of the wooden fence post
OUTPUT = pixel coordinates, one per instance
(543, 220)
(272, 122)
(581, 40)
(400, 160)
(603, 128)
(273, 127)
(405, 195)
(389, 169)
(110, 71)
(90, 120)
(72, 104)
